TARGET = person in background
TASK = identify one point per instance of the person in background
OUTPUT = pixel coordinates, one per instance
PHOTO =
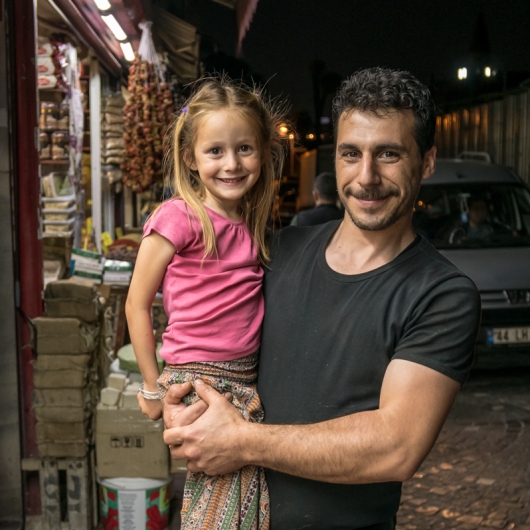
(325, 196)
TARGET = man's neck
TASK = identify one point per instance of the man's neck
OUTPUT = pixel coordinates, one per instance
(352, 250)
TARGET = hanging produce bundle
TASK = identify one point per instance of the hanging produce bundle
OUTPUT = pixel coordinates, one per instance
(147, 115)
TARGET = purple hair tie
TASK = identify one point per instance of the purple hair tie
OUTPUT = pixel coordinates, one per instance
(184, 110)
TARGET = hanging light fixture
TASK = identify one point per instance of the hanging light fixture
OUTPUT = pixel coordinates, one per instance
(114, 26)
(102, 5)
(127, 50)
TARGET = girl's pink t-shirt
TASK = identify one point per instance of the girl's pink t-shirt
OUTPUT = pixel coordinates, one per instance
(214, 307)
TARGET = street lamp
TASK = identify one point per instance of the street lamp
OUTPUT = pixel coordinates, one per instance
(462, 73)
(291, 154)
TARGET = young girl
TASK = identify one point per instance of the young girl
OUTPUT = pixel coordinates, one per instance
(206, 246)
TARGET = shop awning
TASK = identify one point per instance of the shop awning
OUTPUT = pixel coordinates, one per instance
(85, 19)
(181, 42)
(245, 12)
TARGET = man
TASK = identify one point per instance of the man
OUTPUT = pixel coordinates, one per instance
(368, 333)
(325, 197)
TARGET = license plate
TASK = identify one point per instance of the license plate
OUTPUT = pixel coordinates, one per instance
(509, 335)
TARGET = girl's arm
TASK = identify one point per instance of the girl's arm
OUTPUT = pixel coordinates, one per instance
(154, 255)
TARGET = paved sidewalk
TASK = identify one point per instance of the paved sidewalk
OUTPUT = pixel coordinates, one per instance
(478, 473)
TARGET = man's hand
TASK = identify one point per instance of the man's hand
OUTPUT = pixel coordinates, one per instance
(177, 413)
(206, 433)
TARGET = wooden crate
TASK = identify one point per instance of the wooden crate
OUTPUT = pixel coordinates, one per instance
(80, 497)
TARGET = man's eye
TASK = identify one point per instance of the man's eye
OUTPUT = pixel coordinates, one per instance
(389, 154)
(351, 154)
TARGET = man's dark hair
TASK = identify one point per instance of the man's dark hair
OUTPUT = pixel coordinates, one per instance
(326, 186)
(382, 90)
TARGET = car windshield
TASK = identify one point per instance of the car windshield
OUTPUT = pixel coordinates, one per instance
(473, 215)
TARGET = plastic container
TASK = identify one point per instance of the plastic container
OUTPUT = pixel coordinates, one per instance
(60, 145)
(58, 184)
(134, 503)
(58, 227)
(58, 214)
(45, 146)
(58, 203)
(49, 112)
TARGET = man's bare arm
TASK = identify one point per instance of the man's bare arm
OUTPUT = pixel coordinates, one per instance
(387, 444)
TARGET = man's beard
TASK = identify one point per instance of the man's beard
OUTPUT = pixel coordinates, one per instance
(372, 222)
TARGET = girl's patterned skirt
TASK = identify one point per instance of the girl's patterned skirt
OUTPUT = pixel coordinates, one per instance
(240, 500)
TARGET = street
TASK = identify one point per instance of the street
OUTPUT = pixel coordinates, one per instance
(478, 473)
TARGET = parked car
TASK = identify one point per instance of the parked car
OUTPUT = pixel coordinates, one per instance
(478, 215)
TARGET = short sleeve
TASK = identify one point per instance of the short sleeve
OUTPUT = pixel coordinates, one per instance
(172, 222)
(442, 329)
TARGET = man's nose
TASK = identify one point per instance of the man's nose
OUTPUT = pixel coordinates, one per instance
(367, 172)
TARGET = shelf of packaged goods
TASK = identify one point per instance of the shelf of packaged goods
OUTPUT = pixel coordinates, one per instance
(61, 162)
(54, 90)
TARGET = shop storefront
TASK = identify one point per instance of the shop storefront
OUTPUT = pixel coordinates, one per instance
(82, 123)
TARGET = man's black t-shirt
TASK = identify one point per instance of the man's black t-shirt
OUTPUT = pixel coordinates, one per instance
(327, 340)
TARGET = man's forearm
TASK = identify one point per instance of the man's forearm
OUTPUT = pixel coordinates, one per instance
(360, 448)
(387, 444)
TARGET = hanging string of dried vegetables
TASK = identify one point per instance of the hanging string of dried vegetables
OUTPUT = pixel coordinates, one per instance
(147, 115)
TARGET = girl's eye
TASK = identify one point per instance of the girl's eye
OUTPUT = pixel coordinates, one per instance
(245, 148)
(215, 151)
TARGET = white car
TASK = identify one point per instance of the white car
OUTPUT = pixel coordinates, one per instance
(477, 214)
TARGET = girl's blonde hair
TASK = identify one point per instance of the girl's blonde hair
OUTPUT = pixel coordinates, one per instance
(213, 94)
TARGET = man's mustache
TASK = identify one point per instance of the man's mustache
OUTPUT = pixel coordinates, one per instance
(371, 193)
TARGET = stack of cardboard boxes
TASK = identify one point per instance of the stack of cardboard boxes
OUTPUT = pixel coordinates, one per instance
(128, 444)
(66, 370)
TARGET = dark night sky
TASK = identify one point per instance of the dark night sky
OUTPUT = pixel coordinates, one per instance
(425, 37)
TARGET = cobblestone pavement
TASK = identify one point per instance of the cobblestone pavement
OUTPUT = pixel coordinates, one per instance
(478, 473)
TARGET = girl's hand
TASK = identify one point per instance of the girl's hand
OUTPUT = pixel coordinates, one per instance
(151, 408)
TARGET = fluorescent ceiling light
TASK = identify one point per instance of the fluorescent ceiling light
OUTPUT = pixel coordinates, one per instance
(128, 51)
(114, 26)
(103, 5)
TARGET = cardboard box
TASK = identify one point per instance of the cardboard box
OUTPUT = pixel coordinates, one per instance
(65, 336)
(69, 298)
(61, 432)
(62, 414)
(128, 444)
(177, 466)
(62, 449)
(60, 378)
(64, 397)
(62, 362)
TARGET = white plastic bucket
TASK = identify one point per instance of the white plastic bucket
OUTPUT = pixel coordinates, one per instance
(134, 503)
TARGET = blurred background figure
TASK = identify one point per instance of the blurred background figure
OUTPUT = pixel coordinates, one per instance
(479, 227)
(325, 196)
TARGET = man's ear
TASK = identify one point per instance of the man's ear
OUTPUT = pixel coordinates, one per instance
(429, 163)
(189, 161)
